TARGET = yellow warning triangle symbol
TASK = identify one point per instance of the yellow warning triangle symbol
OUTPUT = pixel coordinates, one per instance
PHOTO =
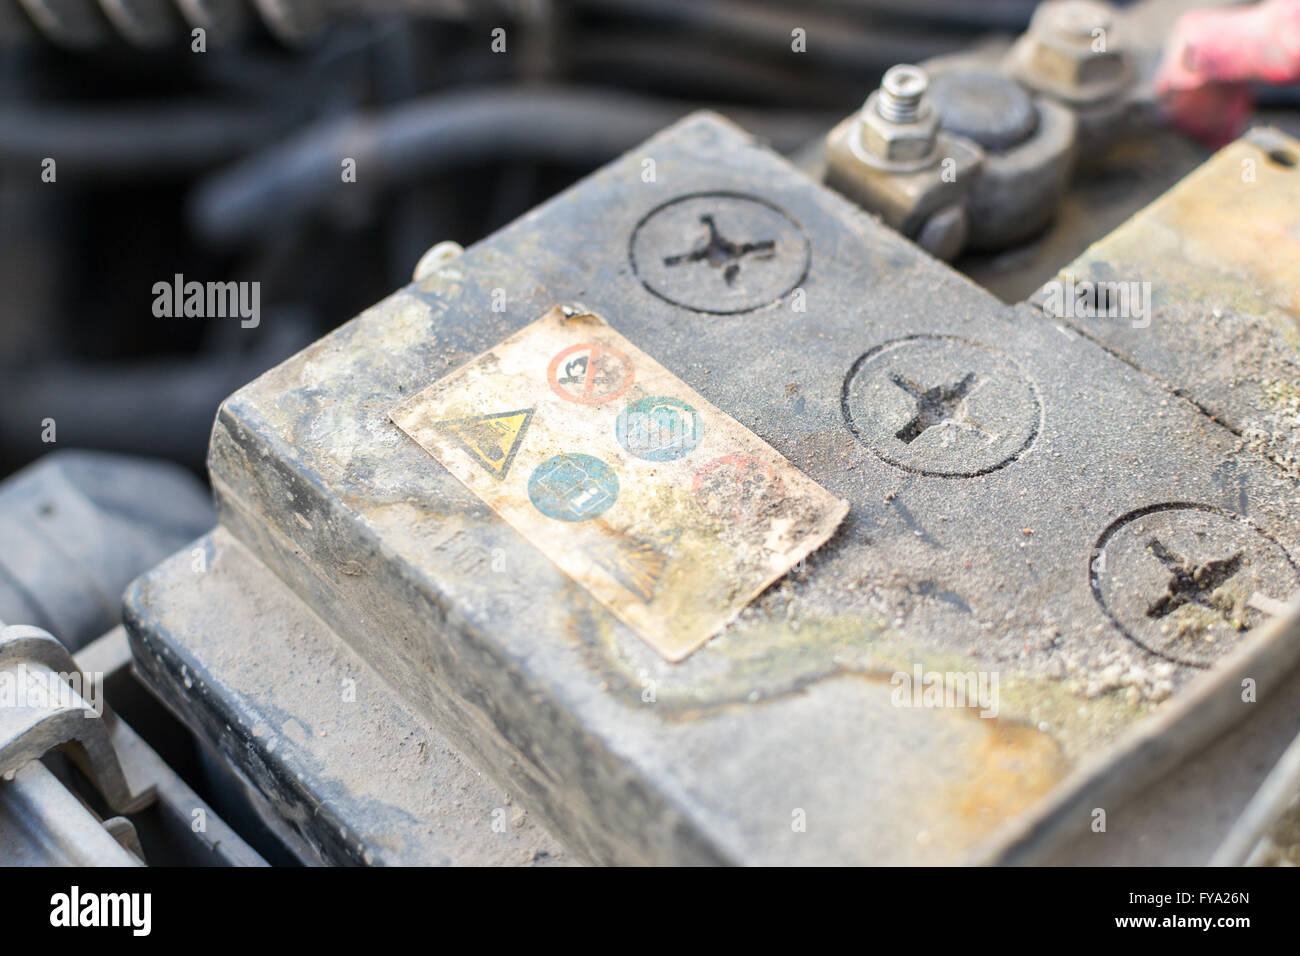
(492, 440)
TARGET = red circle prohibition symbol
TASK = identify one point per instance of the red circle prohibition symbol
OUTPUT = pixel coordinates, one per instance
(606, 373)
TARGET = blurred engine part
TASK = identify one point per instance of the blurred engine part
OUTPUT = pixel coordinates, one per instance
(1251, 837)
(78, 526)
(42, 823)
(78, 787)
(425, 138)
(82, 24)
(52, 710)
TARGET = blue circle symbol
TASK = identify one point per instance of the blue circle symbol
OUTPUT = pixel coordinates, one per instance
(659, 428)
(573, 487)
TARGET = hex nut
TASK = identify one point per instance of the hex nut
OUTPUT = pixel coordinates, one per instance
(1063, 54)
(885, 142)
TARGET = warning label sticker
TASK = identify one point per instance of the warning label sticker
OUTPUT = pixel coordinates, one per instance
(491, 439)
(668, 511)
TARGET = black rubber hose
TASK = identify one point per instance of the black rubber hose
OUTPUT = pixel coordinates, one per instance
(158, 407)
(125, 142)
(425, 137)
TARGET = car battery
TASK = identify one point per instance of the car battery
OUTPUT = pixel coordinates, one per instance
(999, 541)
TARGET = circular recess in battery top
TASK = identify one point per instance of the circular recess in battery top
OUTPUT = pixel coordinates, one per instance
(659, 428)
(720, 253)
(941, 406)
(1187, 581)
(573, 487)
